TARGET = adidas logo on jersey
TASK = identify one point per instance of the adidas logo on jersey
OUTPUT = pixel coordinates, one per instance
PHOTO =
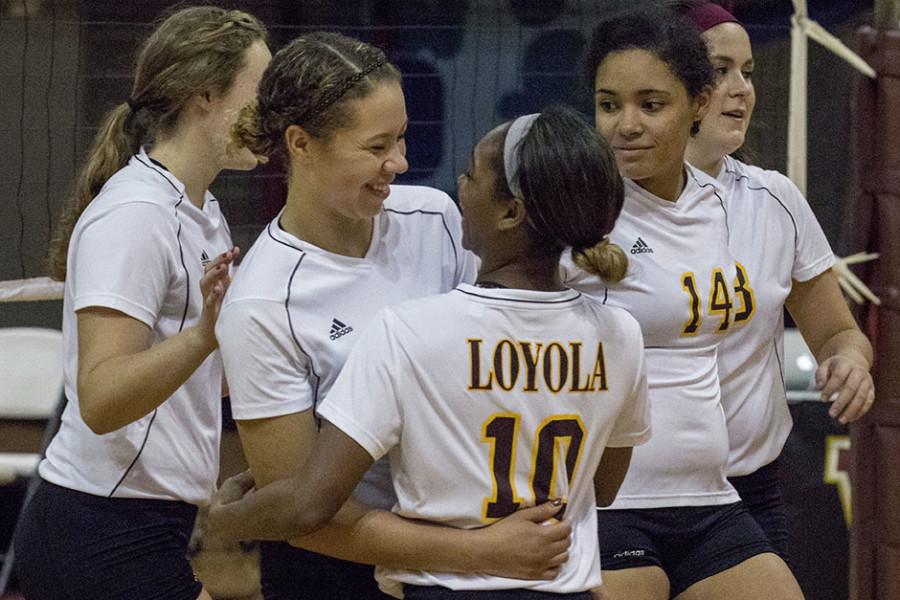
(339, 329)
(204, 258)
(641, 247)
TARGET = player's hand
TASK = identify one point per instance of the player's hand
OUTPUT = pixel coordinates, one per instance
(232, 490)
(528, 544)
(848, 383)
(213, 285)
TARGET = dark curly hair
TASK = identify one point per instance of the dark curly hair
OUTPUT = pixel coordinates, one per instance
(670, 37)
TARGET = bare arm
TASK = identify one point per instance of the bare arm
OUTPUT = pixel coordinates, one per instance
(610, 474)
(523, 545)
(121, 377)
(293, 507)
(842, 350)
(519, 546)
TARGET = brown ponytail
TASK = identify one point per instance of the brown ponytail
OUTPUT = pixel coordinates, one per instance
(112, 148)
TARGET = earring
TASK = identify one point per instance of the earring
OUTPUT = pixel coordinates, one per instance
(695, 128)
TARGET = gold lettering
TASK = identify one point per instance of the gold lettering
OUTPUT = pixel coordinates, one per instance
(475, 367)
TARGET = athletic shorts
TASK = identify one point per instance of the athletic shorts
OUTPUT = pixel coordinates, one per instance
(72, 546)
(433, 592)
(290, 573)
(689, 543)
(762, 496)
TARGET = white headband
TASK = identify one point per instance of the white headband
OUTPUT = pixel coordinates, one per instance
(518, 130)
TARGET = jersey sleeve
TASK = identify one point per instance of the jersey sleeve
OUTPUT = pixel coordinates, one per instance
(632, 427)
(124, 260)
(267, 375)
(365, 400)
(812, 252)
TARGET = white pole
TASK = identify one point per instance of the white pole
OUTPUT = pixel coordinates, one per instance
(796, 143)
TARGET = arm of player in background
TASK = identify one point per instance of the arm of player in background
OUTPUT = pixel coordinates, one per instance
(610, 474)
(842, 350)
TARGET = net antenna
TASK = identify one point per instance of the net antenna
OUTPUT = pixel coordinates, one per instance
(803, 28)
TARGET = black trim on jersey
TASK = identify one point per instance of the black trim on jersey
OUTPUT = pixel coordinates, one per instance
(573, 298)
(282, 242)
(721, 202)
(780, 362)
(187, 303)
(137, 456)
(739, 176)
(443, 222)
(287, 312)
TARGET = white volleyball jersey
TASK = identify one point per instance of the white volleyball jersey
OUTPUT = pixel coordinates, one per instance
(140, 248)
(680, 287)
(294, 311)
(776, 239)
(489, 400)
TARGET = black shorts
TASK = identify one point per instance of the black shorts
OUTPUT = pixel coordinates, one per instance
(762, 497)
(433, 592)
(689, 543)
(71, 546)
(290, 573)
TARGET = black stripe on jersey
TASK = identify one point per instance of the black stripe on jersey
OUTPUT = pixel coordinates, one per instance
(282, 242)
(187, 301)
(287, 311)
(573, 298)
(137, 456)
(443, 222)
(780, 363)
(721, 203)
(740, 176)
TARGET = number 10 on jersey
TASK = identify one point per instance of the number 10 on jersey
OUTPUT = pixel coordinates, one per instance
(557, 446)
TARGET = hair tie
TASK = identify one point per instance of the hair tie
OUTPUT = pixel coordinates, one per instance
(134, 105)
(518, 130)
(338, 93)
(706, 16)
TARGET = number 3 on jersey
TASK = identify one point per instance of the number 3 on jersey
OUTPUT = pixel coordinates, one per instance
(721, 303)
(556, 436)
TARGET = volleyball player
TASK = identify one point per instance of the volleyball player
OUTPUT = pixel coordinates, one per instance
(144, 251)
(347, 243)
(495, 395)
(677, 527)
(784, 253)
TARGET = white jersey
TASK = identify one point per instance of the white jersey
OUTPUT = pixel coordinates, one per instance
(294, 311)
(776, 239)
(140, 248)
(680, 288)
(489, 400)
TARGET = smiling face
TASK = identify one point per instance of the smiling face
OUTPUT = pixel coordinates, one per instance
(732, 101)
(645, 113)
(351, 171)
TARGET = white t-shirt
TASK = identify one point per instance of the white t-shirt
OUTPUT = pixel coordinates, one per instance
(294, 311)
(487, 400)
(140, 248)
(678, 287)
(776, 238)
